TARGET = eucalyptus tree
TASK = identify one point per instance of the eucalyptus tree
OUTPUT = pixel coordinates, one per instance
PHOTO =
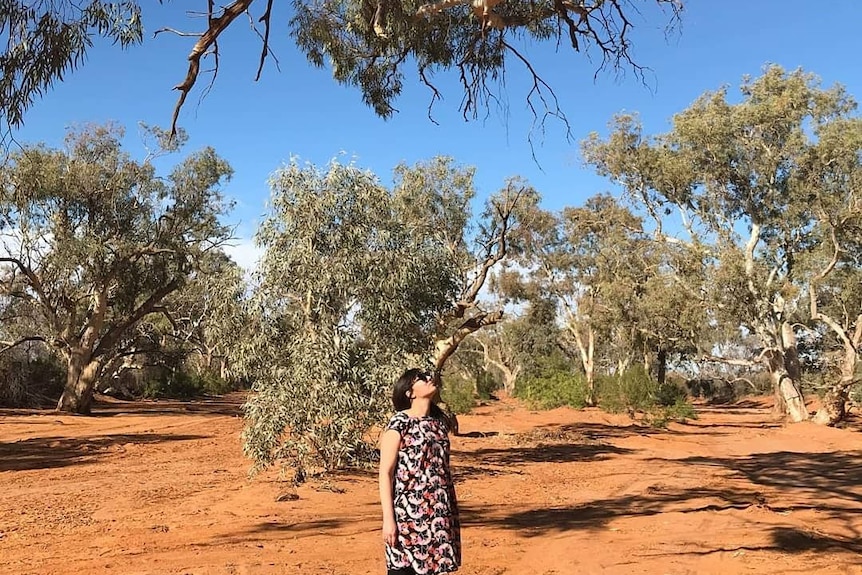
(522, 345)
(671, 310)
(500, 352)
(369, 44)
(436, 196)
(93, 242)
(833, 180)
(195, 332)
(347, 294)
(592, 261)
(358, 281)
(205, 316)
(739, 173)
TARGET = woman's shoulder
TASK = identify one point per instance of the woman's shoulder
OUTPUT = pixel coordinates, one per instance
(400, 416)
(398, 421)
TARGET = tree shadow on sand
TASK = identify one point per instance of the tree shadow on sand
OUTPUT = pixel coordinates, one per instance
(794, 540)
(595, 515)
(818, 476)
(546, 453)
(52, 452)
(830, 483)
(325, 527)
(230, 404)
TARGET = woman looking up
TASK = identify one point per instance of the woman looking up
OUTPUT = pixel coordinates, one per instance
(420, 513)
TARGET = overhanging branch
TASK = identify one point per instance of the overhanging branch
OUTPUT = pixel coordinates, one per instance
(206, 41)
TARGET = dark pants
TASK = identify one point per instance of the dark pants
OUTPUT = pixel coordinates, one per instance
(402, 571)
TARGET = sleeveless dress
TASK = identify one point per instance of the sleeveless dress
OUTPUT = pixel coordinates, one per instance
(428, 536)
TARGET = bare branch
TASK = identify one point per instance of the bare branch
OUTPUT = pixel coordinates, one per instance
(556, 111)
(37, 286)
(732, 361)
(207, 39)
(7, 345)
(265, 51)
(177, 32)
(214, 51)
(447, 346)
(495, 250)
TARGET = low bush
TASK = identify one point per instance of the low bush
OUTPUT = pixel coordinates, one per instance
(553, 389)
(486, 385)
(457, 394)
(183, 385)
(27, 381)
(635, 390)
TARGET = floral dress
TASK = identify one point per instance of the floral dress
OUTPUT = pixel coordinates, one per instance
(428, 537)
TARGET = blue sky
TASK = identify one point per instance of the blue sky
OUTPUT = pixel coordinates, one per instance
(300, 111)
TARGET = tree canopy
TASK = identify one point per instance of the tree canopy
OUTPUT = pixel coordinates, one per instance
(764, 186)
(369, 44)
(359, 280)
(93, 242)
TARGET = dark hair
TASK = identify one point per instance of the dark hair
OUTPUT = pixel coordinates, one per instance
(401, 402)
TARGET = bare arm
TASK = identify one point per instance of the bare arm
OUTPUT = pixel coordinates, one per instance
(390, 441)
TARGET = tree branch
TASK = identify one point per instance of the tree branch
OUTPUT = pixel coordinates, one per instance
(264, 52)
(7, 345)
(37, 286)
(207, 39)
(114, 333)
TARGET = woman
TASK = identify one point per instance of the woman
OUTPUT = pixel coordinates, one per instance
(420, 513)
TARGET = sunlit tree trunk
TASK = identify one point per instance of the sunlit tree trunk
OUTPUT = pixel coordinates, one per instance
(785, 373)
(587, 349)
(834, 407)
(661, 368)
(81, 376)
(83, 367)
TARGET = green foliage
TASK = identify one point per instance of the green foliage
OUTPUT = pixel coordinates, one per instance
(661, 415)
(457, 394)
(486, 384)
(552, 390)
(30, 380)
(633, 389)
(180, 384)
(368, 43)
(855, 394)
(350, 288)
(670, 394)
(44, 40)
(553, 383)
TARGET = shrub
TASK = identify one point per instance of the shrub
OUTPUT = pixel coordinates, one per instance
(670, 393)
(183, 385)
(856, 394)
(633, 389)
(553, 389)
(680, 410)
(27, 381)
(457, 394)
(486, 384)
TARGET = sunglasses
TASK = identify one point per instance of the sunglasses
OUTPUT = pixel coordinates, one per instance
(425, 377)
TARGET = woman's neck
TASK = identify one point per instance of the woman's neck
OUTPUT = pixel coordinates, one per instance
(420, 407)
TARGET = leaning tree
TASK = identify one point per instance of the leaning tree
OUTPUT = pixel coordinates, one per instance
(369, 44)
(93, 242)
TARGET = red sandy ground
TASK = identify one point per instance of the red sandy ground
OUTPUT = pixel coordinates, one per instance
(162, 488)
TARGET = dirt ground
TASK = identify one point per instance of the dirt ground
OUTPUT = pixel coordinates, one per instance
(162, 488)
